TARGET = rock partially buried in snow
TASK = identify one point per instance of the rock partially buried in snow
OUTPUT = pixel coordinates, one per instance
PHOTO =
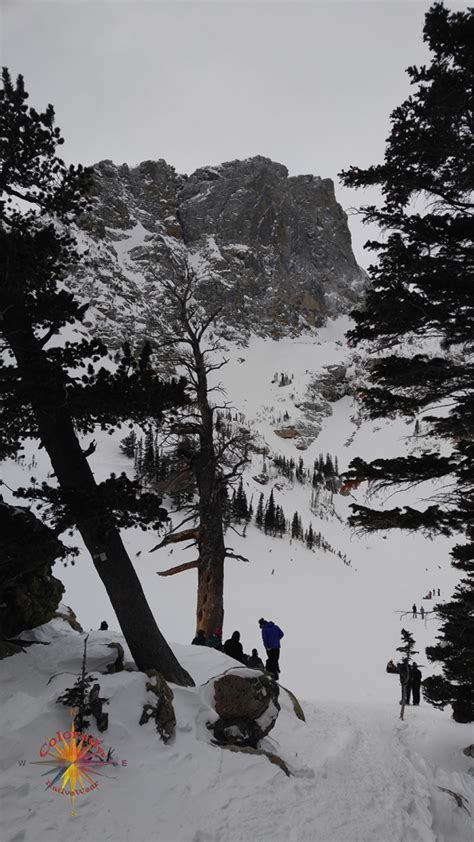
(247, 707)
(161, 707)
(67, 614)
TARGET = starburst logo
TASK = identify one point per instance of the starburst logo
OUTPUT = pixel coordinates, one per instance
(75, 761)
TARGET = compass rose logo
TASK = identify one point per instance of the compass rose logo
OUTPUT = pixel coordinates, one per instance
(75, 760)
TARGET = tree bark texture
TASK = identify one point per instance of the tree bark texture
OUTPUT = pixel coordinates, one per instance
(210, 598)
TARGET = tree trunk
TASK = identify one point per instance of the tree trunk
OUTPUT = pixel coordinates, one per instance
(95, 524)
(210, 598)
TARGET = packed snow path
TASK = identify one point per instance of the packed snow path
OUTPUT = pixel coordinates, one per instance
(355, 781)
(359, 774)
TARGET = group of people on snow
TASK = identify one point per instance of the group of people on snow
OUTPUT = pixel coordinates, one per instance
(432, 594)
(410, 680)
(271, 637)
(422, 612)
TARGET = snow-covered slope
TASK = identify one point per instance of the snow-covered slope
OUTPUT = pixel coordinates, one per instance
(362, 775)
(358, 774)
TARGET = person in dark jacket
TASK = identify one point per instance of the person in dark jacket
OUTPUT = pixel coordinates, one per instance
(271, 636)
(233, 648)
(104, 626)
(215, 640)
(414, 609)
(415, 682)
(404, 670)
(200, 639)
(254, 662)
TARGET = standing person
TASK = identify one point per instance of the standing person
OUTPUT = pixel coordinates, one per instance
(271, 636)
(422, 613)
(415, 683)
(233, 647)
(405, 682)
(414, 610)
(215, 640)
(200, 639)
(439, 592)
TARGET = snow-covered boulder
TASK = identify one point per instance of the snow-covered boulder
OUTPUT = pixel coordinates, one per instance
(247, 708)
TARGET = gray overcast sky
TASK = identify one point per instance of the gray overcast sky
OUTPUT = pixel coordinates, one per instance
(310, 85)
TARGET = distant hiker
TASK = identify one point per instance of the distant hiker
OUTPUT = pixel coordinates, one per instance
(422, 613)
(254, 662)
(415, 683)
(429, 595)
(414, 610)
(103, 626)
(233, 648)
(215, 640)
(200, 639)
(271, 636)
(439, 592)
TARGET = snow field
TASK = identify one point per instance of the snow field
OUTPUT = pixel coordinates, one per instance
(360, 774)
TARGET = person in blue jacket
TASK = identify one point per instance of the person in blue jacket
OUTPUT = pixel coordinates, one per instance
(271, 636)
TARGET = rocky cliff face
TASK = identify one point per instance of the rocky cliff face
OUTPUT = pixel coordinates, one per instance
(275, 251)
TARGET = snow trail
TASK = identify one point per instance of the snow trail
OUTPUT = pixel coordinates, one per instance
(359, 774)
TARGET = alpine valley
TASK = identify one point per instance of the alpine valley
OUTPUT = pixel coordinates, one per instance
(270, 256)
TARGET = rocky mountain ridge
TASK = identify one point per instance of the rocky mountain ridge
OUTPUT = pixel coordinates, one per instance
(274, 250)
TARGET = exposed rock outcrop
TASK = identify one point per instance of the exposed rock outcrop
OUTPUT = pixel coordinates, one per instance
(29, 593)
(247, 707)
(274, 250)
(161, 707)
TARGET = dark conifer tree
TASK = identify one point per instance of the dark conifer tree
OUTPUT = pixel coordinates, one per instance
(455, 650)
(296, 526)
(148, 462)
(128, 444)
(240, 504)
(259, 515)
(422, 287)
(280, 522)
(309, 537)
(269, 517)
(46, 394)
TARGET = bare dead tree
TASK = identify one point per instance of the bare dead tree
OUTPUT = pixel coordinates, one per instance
(190, 341)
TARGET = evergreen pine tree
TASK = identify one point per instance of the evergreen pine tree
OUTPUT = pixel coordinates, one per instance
(269, 518)
(259, 515)
(455, 650)
(309, 537)
(295, 526)
(55, 393)
(422, 287)
(84, 697)
(128, 444)
(239, 504)
(280, 522)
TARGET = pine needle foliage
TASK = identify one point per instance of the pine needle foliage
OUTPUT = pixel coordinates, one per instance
(422, 289)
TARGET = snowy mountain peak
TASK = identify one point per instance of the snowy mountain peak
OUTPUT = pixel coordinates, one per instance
(274, 250)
